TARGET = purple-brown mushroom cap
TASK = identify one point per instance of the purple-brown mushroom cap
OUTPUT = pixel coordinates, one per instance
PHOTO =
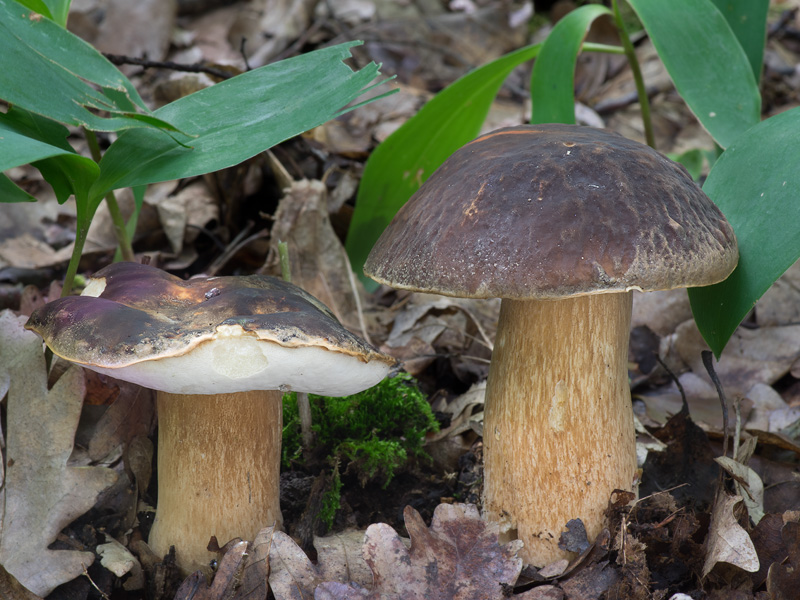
(548, 211)
(207, 335)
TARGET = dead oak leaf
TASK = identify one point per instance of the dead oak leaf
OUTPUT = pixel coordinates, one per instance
(41, 494)
(457, 558)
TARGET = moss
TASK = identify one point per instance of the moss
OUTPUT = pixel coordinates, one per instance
(331, 499)
(372, 433)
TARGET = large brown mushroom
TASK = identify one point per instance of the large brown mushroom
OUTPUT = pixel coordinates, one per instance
(561, 222)
(221, 351)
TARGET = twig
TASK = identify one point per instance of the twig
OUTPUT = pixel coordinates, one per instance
(244, 54)
(118, 59)
(354, 288)
(94, 585)
(239, 242)
(685, 405)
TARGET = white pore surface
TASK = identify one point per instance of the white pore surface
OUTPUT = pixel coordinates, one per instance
(240, 364)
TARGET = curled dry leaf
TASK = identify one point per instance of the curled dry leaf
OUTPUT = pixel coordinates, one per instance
(727, 541)
(746, 481)
(226, 579)
(41, 494)
(256, 569)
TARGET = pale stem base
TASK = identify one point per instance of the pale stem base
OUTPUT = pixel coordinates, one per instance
(558, 422)
(218, 471)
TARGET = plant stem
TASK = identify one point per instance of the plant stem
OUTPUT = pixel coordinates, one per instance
(630, 53)
(113, 206)
(75, 259)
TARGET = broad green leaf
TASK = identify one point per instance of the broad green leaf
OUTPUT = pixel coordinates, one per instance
(46, 69)
(400, 164)
(30, 138)
(693, 160)
(18, 148)
(39, 6)
(709, 67)
(69, 174)
(553, 76)
(755, 183)
(10, 192)
(236, 119)
(59, 9)
(748, 21)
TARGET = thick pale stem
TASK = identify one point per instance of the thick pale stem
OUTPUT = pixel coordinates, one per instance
(558, 426)
(218, 471)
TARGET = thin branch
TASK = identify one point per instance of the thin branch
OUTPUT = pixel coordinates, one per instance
(118, 59)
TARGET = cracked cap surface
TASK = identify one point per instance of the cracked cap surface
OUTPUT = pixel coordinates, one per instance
(207, 335)
(549, 211)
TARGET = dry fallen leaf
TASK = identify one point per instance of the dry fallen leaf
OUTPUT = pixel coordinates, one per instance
(256, 570)
(319, 263)
(783, 578)
(118, 559)
(747, 483)
(226, 578)
(727, 541)
(752, 355)
(457, 558)
(41, 494)
(339, 557)
(11, 589)
(291, 574)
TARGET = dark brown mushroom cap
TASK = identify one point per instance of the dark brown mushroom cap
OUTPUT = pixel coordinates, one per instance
(549, 211)
(135, 314)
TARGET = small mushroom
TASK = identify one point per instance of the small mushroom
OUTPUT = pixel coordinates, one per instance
(561, 222)
(220, 351)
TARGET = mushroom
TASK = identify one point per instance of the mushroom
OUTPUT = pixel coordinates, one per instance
(220, 351)
(561, 222)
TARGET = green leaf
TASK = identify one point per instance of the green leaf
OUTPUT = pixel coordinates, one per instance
(59, 9)
(693, 160)
(55, 10)
(10, 192)
(755, 184)
(39, 6)
(400, 164)
(553, 76)
(236, 119)
(18, 148)
(709, 67)
(748, 21)
(46, 69)
(30, 138)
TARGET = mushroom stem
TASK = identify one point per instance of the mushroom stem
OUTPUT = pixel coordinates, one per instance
(218, 471)
(558, 426)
